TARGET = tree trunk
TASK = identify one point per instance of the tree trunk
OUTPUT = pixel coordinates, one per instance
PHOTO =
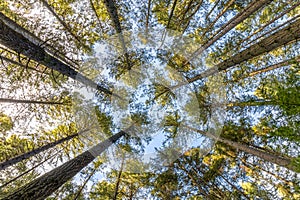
(207, 29)
(257, 167)
(20, 44)
(97, 15)
(282, 37)
(20, 64)
(193, 178)
(147, 18)
(259, 103)
(29, 170)
(269, 68)
(249, 104)
(5, 100)
(171, 13)
(45, 3)
(119, 179)
(208, 14)
(34, 152)
(37, 41)
(189, 18)
(84, 184)
(240, 17)
(233, 186)
(272, 30)
(284, 162)
(45, 185)
(269, 22)
(168, 23)
(113, 13)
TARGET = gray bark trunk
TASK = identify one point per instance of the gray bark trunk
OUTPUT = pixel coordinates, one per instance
(240, 17)
(269, 68)
(217, 18)
(29, 170)
(20, 44)
(6, 100)
(34, 152)
(269, 22)
(119, 179)
(113, 12)
(282, 161)
(45, 185)
(45, 3)
(282, 37)
(37, 41)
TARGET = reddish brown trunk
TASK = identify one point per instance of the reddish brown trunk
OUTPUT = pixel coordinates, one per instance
(270, 68)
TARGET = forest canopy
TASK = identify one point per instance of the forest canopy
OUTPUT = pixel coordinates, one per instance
(149, 99)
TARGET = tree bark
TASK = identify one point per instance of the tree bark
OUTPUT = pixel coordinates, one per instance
(215, 5)
(272, 30)
(45, 185)
(113, 12)
(282, 161)
(6, 100)
(259, 103)
(84, 184)
(37, 41)
(217, 18)
(282, 37)
(45, 3)
(240, 17)
(171, 13)
(95, 11)
(20, 44)
(29, 170)
(147, 18)
(34, 152)
(119, 179)
(269, 22)
(20, 64)
(269, 68)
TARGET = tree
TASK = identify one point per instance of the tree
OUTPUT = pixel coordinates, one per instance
(20, 44)
(284, 36)
(282, 161)
(246, 12)
(34, 152)
(6, 100)
(44, 186)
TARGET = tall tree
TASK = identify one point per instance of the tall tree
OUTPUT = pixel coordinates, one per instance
(22, 45)
(282, 37)
(282, 161)
(6, 100)
(45, 185)
(113, 13)
(241, 16)
(34, 152)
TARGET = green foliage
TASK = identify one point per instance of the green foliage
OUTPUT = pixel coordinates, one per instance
(5, 123)
(105, 121)
(296, 164)
(260, 108)
(14, 145)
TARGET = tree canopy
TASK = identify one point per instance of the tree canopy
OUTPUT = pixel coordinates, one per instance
(149, 99)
